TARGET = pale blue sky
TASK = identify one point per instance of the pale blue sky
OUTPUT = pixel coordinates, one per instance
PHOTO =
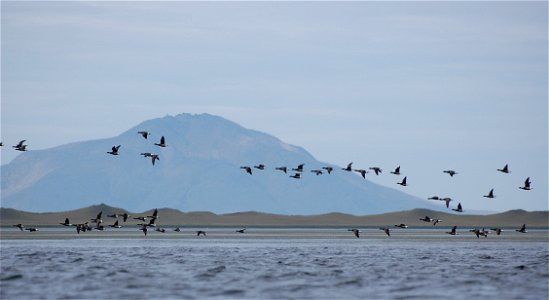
(425, 85)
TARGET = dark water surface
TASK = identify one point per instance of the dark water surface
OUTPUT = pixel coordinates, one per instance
(286, 265)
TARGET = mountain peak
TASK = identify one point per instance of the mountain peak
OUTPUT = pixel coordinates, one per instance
(199, 170)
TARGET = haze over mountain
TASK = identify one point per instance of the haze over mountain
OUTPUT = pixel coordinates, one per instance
(198, 171)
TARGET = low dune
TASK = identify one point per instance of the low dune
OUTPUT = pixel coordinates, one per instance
(168, 216)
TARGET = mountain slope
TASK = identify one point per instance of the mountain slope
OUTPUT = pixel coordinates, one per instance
(198, 171)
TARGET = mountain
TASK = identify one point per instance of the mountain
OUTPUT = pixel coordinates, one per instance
(199, 170)
(173, 217)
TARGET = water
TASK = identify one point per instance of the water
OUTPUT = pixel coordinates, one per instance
(276, 263)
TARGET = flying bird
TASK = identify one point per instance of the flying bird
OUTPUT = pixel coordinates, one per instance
(396, 171)
(146, 154)
(447, 200)
(162, 142)
(125, 216)
(21, 146)
(436, 221)
(355, 231)
(241, 230)
(114, 150)
(177, 229)
(490, 194)
(299, 168)
(260, 167)
(98, 218)
(427, 219)
(145, 134)
(144, 229)
(296, 176)
(403, 183)
(434, 198)
(200, 232)
(114, 216)
(317, 172)
(450, 172)
(453, 231)
(522, 229)
(283, 169)
(349, 167)
(479, 232)
(31, 229)
(505, 169)
(362, 172)
(459, 208)
(154, 158)
(526, 186)
(497, 230)
(328, 169)
(115, 225)
(376, 170)
(248, 169)
(401, 226)
(154, 215)
(66, 223)
(162, 230)
(143, 219)
(20, 226)
(387, 231)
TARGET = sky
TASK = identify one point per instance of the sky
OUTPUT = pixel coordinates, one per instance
(428, 86)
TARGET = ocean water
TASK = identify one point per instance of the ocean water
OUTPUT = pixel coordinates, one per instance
(275, 264)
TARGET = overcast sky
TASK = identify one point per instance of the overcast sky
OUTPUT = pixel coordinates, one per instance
(426, 85)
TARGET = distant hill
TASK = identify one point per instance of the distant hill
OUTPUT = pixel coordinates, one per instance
(175, 217)
(199, 170)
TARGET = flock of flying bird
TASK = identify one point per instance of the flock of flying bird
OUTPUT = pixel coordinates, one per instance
(298, 171)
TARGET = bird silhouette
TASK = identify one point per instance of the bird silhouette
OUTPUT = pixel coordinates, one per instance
(447, 200)
(317, 172)
(376, 170)
(115, 225)
(401, 226)
(154, 158)
(386, 230)
(436, 221)
(426, 219)
(154, 215)
(328, 169)
(453, 231)
(355, 231)
(143, 219)
(145, 134)
(450, 172)
(349, 167)
(125, 216)
(490, 194)
(161, 230)
(497, 230)
(248, 169)
(144, 229)
(177, 229)
(296, 176)
(66, 223)
(522, 229)
(459, 208)
(114, 150)
(403, 182)
(241, 230)
(31, 229)
(21, 146)
(146, 154)
(434, 198)
(98, 218)
(505, 169)
(20, 226)
(396, 171)
(283, 169)
(200, 232)
(162, 142)
(362, 172)
(299, 168)
(526, 186)
(260, 167)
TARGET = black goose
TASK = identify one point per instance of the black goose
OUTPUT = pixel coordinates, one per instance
(66, 223)
(453, 231)
(349, 167)
(526, 186)
(114, 150)
(396, 171)
(376, 170)
(145, 134)
(403, 183)
(162, 142)
(490, 194)
(248, 169)
(505, 169)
